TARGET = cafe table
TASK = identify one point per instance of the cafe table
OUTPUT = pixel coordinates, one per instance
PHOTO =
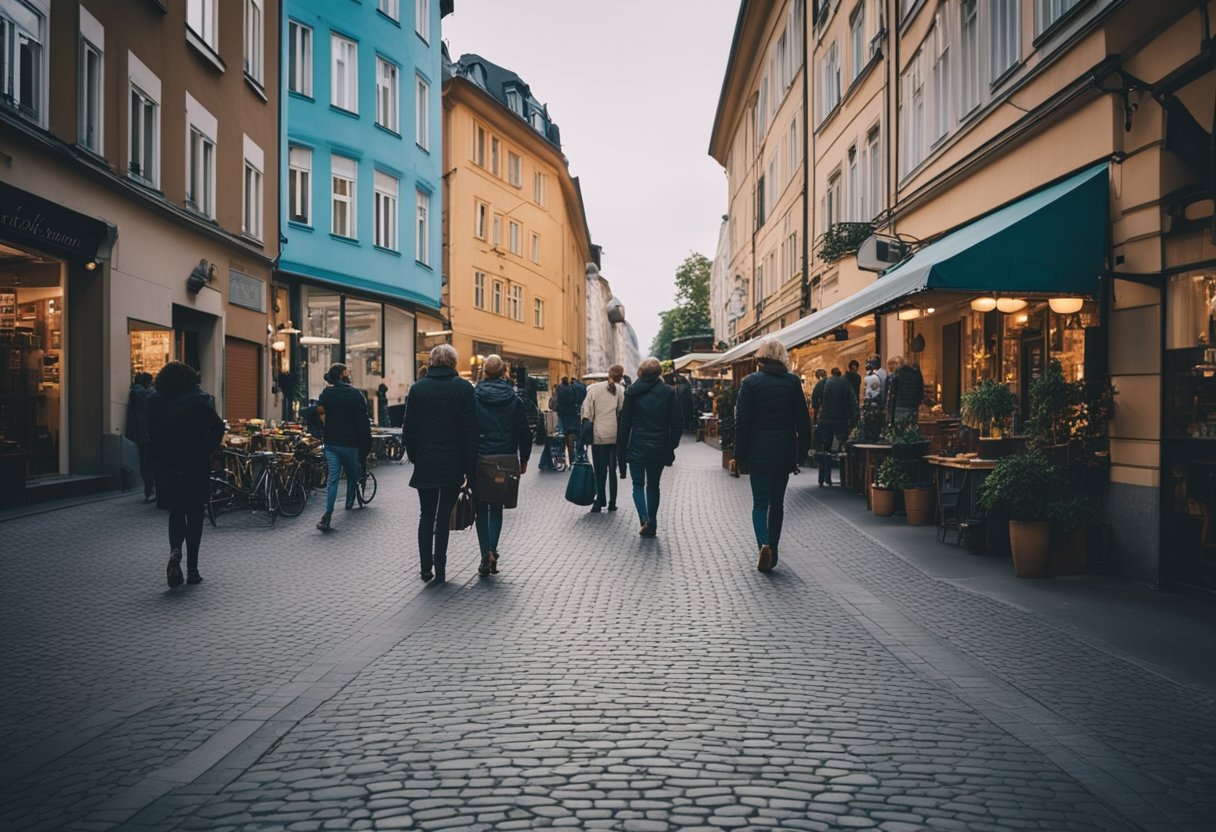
(872, 456)
(966, 474)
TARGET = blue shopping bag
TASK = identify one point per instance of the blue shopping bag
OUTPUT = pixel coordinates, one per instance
(580, 490)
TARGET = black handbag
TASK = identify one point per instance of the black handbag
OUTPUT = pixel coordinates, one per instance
(497, 479)
(462, 512)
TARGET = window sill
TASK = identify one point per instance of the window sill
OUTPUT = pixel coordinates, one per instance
(388, 130)
(1005, 75)
(250, 238)
(422, 38)
(393, 20)
(385, 249)
(1059, 23)
(426, 266)
(861, 76)
(301, 226)
(910, 15)
(831, 114)
(257, 87)
(146, 184)
(191, 209)
(350, 241)
(343, 111)
(423, 148)
(204, 49)
(303, 96)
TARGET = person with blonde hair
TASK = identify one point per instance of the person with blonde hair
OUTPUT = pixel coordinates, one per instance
(601, 408)
(772, 434)
(504, 443)
(648, 432)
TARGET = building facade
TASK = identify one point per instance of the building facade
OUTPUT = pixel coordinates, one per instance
(140, 155)
(361, 195)
(517, 244)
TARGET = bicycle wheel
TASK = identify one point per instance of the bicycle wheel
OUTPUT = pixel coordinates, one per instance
(224, 495)
(367, 488)
(292, 496)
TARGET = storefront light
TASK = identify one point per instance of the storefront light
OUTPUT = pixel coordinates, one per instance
(1010, 305)
(983, 304)
(279, 346)
(1066, 306)
(908, 314)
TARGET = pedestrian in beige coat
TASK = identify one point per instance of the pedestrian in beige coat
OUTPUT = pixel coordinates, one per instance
(601, 408)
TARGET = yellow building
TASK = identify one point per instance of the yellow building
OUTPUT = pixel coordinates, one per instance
(515, 238)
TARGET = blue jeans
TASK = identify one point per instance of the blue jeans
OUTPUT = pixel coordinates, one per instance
(646, 490)
(339, 458)
(768, 507)
(489, 525)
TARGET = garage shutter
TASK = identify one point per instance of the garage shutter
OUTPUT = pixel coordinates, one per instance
(242, 361)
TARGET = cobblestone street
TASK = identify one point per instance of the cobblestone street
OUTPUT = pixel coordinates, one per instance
(601, 681)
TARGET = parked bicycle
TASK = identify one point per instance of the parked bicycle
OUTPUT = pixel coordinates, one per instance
(262, 481)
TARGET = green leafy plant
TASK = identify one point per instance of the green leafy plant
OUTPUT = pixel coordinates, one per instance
(1057, 407)
(843, 238)
(891, 475)
(1026, 485)
(988, 405)
(903, 432)
(871, 420)
(1075, 509)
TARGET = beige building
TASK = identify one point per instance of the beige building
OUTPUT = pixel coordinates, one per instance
(516, 243)
(140, 173)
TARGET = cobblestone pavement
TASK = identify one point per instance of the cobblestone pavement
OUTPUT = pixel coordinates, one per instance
(601, 681)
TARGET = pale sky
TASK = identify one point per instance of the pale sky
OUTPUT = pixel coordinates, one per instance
(633, 85)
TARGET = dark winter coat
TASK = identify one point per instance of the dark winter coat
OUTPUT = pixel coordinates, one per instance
(440, 430)
(687, 407)
(567, 402)
(839, 405)
(580, 394)
(854, 380)
(906, 388)
(137, 413)
(650, 424)
(772, 425)
(817, 396)
(501, 421)
(347, 424)
(184, 432)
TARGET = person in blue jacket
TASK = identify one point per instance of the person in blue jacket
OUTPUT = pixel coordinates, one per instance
(502, 433)
(648, 432)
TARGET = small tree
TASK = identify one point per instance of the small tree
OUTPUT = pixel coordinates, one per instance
(690, 316)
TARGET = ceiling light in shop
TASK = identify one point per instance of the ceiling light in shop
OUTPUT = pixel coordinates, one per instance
(983, 304)
(1066, 306)
(1010, 305)
(930, 311)
(318, 341)
(908, 314)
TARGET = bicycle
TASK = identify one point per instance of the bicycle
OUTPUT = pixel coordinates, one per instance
(245, 481)
(366, 490)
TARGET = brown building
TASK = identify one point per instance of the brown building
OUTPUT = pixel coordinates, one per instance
(138, 142)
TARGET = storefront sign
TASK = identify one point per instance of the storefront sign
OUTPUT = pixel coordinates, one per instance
(26, 218)
(247, 291)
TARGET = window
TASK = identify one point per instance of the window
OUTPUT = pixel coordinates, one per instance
(1004, 44)
(391, 8)
(344, 84)
(200, 173)
(854, 192)
(92, 79)
(857, 40)
(385, 207)
(535, 248)
(386, 95)
(495, 152)
(514, 170)
(873, 176)
(251, 204)
(143, 158)
(254, 38)
(829, 81)
(758, 288)
(515, 306)
(969, 57)
(912, 114)
(480, 211)
(761, 111)
(515, 101)
(538, 313)
(479, 145)
(538, 121)
(422, 19)
(831, 201)
(479, 290)
(1049, 11)
(422, 237)
(422, 119)
(540, 186)
(497, 298)
(343, 176)
(516, 245)
(299, 185)
(299, 58)
(771, 181)
(496, 239)
(200, 17)
(760, 216)
(939, 101)
(22, 72)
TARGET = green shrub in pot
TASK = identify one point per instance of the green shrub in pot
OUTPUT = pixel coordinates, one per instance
(988, 406)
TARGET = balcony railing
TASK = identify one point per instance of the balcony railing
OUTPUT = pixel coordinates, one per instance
(843, 238)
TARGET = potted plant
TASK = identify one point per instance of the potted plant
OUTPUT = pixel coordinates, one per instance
(1056, 411)
(987, 407)
(918, 502)
(1026, 486)
(1072, 515)
(888, 479)
(907, 443)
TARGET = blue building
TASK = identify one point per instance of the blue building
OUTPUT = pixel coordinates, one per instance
(361, 164)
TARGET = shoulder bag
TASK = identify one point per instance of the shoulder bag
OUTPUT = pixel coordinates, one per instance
(497, 479)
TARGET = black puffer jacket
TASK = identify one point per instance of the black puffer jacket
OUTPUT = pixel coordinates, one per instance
(839, 405)
(185, 431)
(772, 424)
(906, 388)
(650, 424)
(566, 398)
(137, 413)
(440, 430)
(347, 424)
(502, 424)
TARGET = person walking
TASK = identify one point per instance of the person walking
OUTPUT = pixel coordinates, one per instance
(565, 400)
(772, 432)
(383, 419)
(648, 431)
(854, 378)
(440, 436)
(138, 400)
(348, 437)
(837, 412)
(504, 443)
(602, 409)
(821, 376)
(184, 431)
(906, 390)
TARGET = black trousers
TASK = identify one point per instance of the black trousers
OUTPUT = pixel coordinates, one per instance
(826, 433)
(603, 459)
(186, 525)
(146, 472)
(433, 526)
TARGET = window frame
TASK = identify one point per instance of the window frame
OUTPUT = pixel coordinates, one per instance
(534, 248)
(149, 154)
(391, 9)
(422, 20)
(481, 216)
(299, 185)
(207, 29)
(857, 41)
(538, 313)
(255, 41)
(349, 200)
(515, 233)
(253, 185)
(515, 169)
(92, 101)
(200, 171)
(385, 210)
(999, 12)
(342, 48)
(388, 95)
(11, 77)
(540, 188)
(299, 44)
(479, 290)
(422, 114)
(422, 225)
(496, 296)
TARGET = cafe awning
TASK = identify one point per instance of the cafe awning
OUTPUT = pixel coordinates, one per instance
(1049, 243)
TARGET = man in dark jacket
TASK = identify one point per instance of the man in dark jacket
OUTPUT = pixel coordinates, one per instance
(906, 390)
(687, 406)
(817, 392)
(137, 429)
(567, 407)
(853, 377)
(504, 444)
(348, 437)
(580, 393)
(838, 409)
(648, 431)
(440, 436)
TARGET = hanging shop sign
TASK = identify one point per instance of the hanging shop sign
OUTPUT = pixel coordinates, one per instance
(46, 226)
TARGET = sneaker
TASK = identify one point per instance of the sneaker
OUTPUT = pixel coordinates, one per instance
(194, 577)
(324, 524)
(765, 564)
(648, 530)
(427, 576)
(174, 570)
(440, 577)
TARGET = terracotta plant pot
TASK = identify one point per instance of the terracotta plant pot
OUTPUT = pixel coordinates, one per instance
(918, 505)
(882, 501)
(1028, 539)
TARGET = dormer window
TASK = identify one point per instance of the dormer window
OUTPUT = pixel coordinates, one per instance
(515, 101)
(538, 122)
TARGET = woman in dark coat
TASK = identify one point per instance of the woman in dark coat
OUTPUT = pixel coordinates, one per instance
(184, 431)
(772, 433)
(137, 429)
(648, 431)
(503, 439)
(440, 436)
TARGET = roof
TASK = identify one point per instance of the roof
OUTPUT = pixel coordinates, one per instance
(728, 80)
(498, 81)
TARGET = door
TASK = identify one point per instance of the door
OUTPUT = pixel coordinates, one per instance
(952, 366)
(242, 379)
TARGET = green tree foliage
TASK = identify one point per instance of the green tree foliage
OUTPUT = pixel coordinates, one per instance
(690, 316)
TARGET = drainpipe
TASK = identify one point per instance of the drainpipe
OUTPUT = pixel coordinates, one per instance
(808, 144)
(892, 108)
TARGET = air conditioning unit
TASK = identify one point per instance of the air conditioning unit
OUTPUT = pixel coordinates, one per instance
(878, 253)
